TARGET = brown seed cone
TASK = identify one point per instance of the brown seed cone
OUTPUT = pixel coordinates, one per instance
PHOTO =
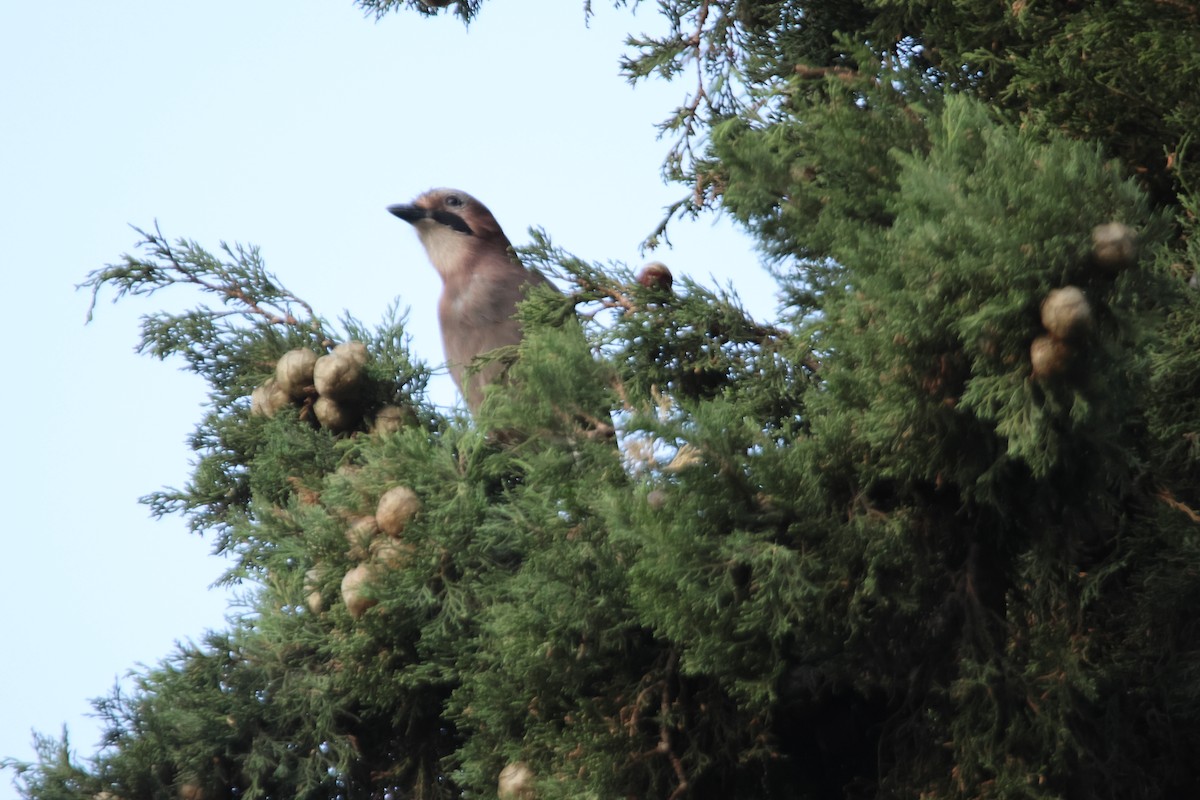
(313, 598)
(294, 372)
(656, 499)
(355, 351)
(390, 419)
(1066, 312)
(333, 415)
(354, 587)
(396, 508)
(657, 276)
(1114, 246)
(268, 399)
(338, 376)
(1048, 357)
(516, 782)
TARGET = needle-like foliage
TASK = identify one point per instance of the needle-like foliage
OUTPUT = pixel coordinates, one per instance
(931, 532)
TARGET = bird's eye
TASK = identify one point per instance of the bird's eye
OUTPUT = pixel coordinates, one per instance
(454, 201)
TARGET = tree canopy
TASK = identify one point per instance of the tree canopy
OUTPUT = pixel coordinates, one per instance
(932, 532)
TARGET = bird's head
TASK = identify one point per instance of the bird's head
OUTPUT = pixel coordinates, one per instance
(453, 227)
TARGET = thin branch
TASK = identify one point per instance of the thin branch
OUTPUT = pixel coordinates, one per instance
(1168, 497)
(241, 281)
(664, 732)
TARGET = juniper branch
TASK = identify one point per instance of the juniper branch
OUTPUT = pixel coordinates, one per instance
(241, 280)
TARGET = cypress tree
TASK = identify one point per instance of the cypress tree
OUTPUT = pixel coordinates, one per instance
(932, 532)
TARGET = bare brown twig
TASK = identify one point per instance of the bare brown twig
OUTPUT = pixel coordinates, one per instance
(1168, 497)
(664, 731)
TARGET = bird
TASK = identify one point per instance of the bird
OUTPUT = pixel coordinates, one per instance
(482, 282)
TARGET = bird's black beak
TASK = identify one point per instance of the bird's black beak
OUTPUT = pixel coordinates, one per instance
(409, 213)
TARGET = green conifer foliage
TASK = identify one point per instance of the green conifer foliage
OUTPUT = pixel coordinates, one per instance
(930, 533)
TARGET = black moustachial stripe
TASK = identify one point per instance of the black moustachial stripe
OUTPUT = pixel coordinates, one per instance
(452, 220)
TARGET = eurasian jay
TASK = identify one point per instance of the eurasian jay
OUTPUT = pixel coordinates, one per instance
(482, 282)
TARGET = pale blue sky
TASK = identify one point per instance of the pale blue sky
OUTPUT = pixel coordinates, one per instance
(290, 125)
